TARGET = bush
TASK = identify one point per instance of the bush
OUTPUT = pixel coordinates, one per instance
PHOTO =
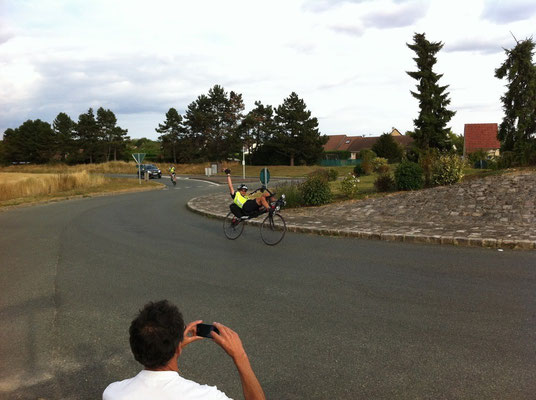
(367, 154)
(447, 170)
(409, 176)
(383, 169)
(293, 195)
(320, 173)
(427, 160)
(367, 167)
(385, 183)
(315, 191)
(378, 162)
(349, 185)
(333, 174)
(358, 170)
(506, 160)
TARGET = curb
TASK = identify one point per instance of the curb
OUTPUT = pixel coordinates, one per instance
(490, 243)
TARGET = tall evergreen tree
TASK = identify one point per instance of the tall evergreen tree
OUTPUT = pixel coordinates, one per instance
(106, 124)
(297, 134)
(517, 131)
(88, 135)
(64, 128)
(431, 126)
(172, 133)
(213, 120)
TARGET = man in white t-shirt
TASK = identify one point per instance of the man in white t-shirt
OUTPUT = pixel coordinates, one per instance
(157, 337)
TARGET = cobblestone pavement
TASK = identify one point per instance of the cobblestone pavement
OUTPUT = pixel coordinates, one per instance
(496, 211)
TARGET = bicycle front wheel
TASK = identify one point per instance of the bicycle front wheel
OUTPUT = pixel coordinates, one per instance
(232, 226)
(273, 229)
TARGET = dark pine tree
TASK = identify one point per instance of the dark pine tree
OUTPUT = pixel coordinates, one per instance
(431, 126)
(517, 131)
(297, 134)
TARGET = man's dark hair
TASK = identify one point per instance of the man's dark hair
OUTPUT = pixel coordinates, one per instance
(155, 333)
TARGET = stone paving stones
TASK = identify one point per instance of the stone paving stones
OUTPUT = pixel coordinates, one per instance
(496, 211)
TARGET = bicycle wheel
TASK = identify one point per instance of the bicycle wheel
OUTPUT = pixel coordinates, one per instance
(273, 229)
(232, 226)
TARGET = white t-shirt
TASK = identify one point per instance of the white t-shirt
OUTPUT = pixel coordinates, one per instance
(161, 385)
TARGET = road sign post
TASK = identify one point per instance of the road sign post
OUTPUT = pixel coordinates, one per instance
(265, 177)
(138, 157)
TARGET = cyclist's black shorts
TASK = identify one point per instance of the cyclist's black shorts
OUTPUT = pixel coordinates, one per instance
(250, 207)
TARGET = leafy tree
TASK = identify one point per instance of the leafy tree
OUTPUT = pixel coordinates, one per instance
(173, 132)
(64, 129)
(297, 134)
(430, 126)
(33, 141)
(518, 128)
(387, 147)
(457, 142)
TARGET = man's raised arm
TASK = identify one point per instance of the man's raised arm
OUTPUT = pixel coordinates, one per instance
(229, 182)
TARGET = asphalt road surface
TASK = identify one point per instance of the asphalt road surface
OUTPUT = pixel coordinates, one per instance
(320, 317)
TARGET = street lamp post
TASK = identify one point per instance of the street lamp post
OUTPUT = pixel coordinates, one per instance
(243, 162)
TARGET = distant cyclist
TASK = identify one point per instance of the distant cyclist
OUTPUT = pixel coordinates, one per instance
(241, 201)
(172, 174)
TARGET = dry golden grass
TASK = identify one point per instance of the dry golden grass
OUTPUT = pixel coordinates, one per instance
(14, 186)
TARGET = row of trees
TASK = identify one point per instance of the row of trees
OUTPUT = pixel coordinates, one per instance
(215, 128)
(91, 139)
(517, 132)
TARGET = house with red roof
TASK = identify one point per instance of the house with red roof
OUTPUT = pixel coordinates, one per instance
(481, 137)
(354, 144)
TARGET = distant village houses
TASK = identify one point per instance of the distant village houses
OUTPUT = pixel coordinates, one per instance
(354, 144)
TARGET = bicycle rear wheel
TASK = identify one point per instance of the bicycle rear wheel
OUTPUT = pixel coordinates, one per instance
(232, 226)
(273, 229)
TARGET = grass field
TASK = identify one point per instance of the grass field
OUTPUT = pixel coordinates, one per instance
(20, 188)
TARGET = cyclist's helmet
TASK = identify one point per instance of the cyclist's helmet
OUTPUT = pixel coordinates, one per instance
(242, 187)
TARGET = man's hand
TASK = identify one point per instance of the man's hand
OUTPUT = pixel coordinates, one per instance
(229, 341)
(227, 171)
(190, 334)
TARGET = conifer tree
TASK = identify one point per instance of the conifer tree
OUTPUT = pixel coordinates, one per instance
(64, 128)
(517, 132)
(431, 126)
(297, 132)
(173, 132)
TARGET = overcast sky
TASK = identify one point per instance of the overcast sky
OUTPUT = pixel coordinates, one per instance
(347, 59)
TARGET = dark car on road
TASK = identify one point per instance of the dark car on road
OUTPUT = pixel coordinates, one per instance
(150, 169)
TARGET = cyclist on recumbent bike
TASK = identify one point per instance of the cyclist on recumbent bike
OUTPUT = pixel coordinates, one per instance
(242, 206)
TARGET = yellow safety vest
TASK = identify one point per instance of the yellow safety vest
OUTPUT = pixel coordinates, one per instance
(239, 200)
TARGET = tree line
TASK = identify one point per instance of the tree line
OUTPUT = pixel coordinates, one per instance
(214, 127)
(91, 139)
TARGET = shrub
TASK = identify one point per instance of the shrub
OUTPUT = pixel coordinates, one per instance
(387, 147)
(293, 195)
(315, 191)
(427, 160)
(333, 174)
(358, 170)
(385, 183)
(447, 170)
(349, 185)
(506, 160)
(383, 169)
(320, 173)
(367, 167)
(409, 176)
(378, 162)
(367, 154)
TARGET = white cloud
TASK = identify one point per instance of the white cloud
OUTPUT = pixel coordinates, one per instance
(504, 12)
(347, 59)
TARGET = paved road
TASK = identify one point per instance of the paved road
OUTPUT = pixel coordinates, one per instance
(321, 317)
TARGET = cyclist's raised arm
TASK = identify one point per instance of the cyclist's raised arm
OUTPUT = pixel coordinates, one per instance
(229, 181)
